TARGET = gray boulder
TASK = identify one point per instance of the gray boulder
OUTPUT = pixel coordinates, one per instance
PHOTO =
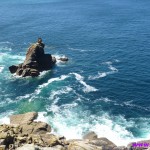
(23, 118)
(91, 136)
(104, 143)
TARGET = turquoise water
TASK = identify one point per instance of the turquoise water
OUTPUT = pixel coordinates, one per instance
(105, 85)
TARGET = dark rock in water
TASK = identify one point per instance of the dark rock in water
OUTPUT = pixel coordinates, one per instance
(19, 71)
(46, 62)
(35, 62)
(13, 68)
(63, 59)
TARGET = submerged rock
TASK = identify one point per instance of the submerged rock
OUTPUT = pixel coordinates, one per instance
(35, 62)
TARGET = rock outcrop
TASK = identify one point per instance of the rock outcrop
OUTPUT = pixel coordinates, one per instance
(24, 133)
(35, 62)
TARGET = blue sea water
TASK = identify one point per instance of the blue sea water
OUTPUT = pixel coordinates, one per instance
(105, 85)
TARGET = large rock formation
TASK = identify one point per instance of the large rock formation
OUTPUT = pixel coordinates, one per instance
(35, 62)
(24, 133)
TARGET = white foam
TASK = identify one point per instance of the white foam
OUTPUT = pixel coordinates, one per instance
(42, 116)
(7, 101)
(130, 104)
(62, 77)
(38, 90)
(54, 108)
(64, 90)
(78, 76)
(1, 68)
(87, 88)
(68, 106)
(6, 46)
(24, 97)
(43, 73)
(58, 61)
(103, 126)
(42, 86)
(104, 100)
(116, 60)
(4, 117)
(107, 62)
(100, 75)
(104, 74)
(9, 58)
(113, 68)
(70, 122)
(65, 130)
(80, 50)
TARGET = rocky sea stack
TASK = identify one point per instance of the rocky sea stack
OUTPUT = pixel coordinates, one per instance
(24, 133)
(35, 62)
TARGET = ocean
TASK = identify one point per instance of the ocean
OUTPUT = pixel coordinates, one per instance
(105, 85)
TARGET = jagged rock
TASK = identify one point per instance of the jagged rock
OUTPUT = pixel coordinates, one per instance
(35, 59)
(46, 62)
(3, 128)
(50, 140)
(19, 71)
(8, 140)
(91, 136)
(34, 72)
(23, 118)
(41, 128)
(28, 134)
(45, 140)
(13, 68)
(35, 128)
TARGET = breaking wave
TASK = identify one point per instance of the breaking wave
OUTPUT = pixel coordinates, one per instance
(104, 74)
(87, 88)
(1, 68)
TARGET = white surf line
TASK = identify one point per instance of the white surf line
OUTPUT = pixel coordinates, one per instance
(104, 74)
(87, 88)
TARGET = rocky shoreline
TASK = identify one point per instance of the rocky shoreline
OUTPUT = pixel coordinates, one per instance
(24, 133)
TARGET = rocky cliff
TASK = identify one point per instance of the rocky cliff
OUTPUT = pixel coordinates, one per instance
(24, 133)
